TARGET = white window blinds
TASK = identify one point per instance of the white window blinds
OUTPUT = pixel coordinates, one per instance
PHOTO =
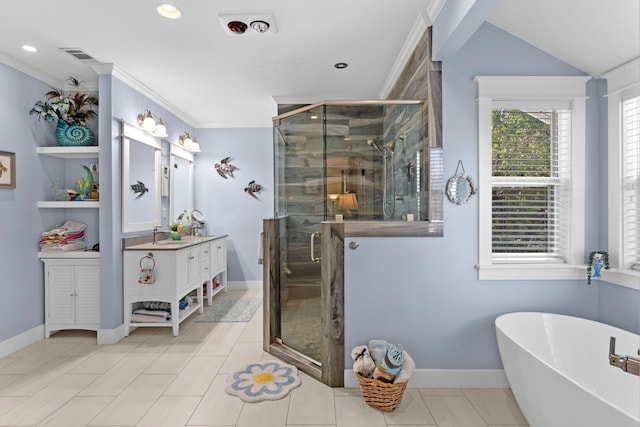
(631, 181)
(530, 184)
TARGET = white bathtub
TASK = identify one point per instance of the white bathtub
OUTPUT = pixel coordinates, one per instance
(558, 368)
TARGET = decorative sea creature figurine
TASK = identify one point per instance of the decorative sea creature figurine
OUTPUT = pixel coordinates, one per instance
(224, 168)
(253, 188)
(84, 186)
(139, 188)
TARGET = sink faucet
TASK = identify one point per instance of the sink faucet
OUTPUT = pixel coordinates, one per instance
(626, 363)
(155, 234)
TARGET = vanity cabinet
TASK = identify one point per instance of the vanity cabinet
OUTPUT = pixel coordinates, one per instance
(179, 268)
(72, 293)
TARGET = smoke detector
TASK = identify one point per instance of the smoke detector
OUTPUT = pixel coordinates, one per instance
(248, 24)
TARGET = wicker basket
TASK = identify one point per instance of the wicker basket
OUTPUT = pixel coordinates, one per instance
(381, 395)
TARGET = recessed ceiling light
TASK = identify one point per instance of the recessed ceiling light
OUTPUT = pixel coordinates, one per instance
(341, 65)
(29, 48)
(169, 11)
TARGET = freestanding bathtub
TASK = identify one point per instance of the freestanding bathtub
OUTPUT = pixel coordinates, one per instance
(558, 368)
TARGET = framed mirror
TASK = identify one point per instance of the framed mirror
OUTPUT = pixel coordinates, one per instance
(460, 189)
(181, 182)
(141, 157)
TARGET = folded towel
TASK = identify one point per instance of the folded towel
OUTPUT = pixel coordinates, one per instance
(65, 238)
(77, 245)
(145, 318)
(69, 227)
(158, 313)
(157, 305)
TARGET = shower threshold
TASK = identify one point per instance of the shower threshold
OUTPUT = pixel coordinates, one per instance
(304, 363)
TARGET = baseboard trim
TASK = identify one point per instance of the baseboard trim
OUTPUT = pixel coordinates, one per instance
(255, 285)
(20, 341)
(446, 378)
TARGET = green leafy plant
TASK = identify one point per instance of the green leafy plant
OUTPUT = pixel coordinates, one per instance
(175, 226)
(605, 260)
(74, 108)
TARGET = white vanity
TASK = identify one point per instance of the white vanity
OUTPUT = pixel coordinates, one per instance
(179, 267)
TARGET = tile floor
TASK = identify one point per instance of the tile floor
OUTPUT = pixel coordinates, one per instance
(152, 379)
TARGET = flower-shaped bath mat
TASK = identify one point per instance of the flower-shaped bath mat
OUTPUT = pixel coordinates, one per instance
(259, 381)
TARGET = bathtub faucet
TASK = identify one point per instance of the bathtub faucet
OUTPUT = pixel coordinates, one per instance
(626, 363)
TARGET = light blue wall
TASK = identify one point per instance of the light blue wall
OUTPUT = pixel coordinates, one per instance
(21, 273)
(426, 295)
(226, 206)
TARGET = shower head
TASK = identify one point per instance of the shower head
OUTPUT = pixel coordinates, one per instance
(373, 144)
(391, 146)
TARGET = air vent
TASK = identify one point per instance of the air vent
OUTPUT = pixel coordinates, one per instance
(79, 54)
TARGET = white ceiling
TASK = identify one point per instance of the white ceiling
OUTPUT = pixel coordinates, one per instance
(211, 78)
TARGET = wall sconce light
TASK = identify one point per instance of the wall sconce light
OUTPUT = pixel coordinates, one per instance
(189, 142)
(151, 123)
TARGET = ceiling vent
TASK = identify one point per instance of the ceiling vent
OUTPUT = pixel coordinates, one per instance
(79, 54)
(248, 24)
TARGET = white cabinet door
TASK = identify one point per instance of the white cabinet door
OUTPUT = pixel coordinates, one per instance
(183, 266)
(72, 289)
(60, 304)
(194, 265)
(87, 297)
(219, 248)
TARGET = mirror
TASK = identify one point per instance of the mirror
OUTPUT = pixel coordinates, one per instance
(182, 182)
(460, 189)
(141, 154)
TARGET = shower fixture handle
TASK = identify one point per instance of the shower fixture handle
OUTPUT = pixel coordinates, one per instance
(626, 363)
(313, 239)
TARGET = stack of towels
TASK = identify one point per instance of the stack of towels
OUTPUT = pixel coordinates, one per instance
(156, 311)
(382, 361)
(68, 237)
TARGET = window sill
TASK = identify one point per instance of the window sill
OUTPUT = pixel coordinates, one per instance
(532, 272)
(626, 278)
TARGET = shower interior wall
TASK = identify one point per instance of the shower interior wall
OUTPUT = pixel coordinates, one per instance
(329, 154)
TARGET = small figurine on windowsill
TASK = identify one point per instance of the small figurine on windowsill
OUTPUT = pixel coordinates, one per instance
(597, 261)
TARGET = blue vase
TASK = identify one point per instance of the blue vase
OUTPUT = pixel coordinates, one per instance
(74, 135)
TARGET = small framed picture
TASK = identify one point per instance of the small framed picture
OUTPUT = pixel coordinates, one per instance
(7, 169)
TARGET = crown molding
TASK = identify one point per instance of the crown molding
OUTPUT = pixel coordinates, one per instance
(433, 10)
(623, 77)
(30, 71)
(131, 81)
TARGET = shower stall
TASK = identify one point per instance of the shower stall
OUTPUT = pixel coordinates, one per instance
(363, 161)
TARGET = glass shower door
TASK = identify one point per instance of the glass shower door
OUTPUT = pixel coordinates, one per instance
(301, 195)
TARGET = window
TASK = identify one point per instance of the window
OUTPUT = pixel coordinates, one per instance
(531, 149)
(631, 182)
(624, 175)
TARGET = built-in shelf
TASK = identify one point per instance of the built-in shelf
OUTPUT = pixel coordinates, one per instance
(64, 152)
(69, 255)
(69, 205)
